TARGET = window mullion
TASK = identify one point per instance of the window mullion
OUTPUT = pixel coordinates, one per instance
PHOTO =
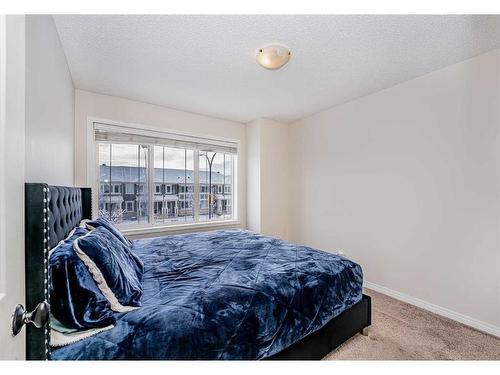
(151, 185)
(234, 187)
(196, 192)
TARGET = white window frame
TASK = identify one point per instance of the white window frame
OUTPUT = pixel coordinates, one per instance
(138, 229)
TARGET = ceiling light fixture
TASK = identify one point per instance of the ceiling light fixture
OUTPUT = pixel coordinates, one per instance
(273, 57)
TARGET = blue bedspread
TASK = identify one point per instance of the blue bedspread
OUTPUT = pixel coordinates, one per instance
(230, 294)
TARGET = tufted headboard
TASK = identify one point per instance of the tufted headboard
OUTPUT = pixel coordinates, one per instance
(51, 212)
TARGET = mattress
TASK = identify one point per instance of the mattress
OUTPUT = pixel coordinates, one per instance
(229, 294)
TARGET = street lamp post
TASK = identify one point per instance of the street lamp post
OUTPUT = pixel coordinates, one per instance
(210, 161)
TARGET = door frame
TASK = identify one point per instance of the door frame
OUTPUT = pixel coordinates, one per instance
(12, 159)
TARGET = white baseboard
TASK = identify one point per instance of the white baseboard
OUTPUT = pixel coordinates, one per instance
(447, 313)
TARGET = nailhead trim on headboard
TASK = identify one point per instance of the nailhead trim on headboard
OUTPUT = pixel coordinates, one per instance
(46, 201)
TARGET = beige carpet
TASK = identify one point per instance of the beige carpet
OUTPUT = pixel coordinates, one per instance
(403, 331)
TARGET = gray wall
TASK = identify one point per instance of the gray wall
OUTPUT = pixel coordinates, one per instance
(49, 105)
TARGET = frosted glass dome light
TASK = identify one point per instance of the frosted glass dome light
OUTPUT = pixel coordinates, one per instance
(273, 57)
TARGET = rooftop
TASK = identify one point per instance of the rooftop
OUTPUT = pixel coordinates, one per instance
(124, 174)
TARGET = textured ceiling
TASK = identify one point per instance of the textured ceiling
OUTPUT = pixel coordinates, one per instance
(206, 64)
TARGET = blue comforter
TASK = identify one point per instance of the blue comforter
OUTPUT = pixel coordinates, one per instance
(230, 294)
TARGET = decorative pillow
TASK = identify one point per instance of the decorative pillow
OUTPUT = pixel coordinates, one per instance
(103, 222)
(75, 299)
(113, 267)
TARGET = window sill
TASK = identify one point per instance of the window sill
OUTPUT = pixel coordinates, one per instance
(179, 228)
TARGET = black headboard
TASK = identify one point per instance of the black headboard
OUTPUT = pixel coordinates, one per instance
(51, 212)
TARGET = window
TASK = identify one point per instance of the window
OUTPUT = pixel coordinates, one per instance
(139, 188)
(122, 164)
(216, 171)
(148, 180)
(174, 166)
(129, 188)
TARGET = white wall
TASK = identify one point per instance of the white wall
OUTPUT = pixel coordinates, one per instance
(253, 176)
(148, 116)
(12, 131)
(49, 105)
(267, 188)
(407, 182)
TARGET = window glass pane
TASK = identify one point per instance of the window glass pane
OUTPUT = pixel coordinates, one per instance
(174, 184)
(104, 169)
(142, 198)
(227, 191)
(215, 186)
(123, 180)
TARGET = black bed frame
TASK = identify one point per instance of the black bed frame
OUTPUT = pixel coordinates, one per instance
(51, 212)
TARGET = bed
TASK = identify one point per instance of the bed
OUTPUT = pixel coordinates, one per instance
(229, 294)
